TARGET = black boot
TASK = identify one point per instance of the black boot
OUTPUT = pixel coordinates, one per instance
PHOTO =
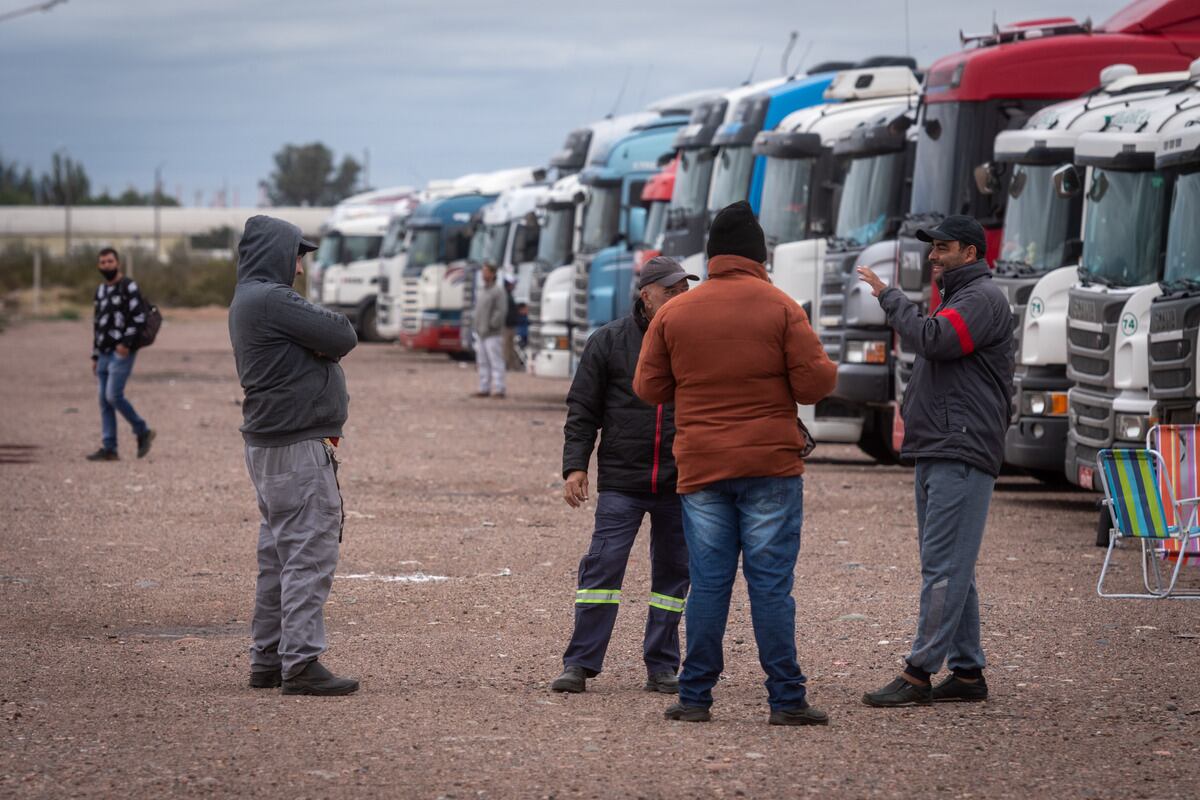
(665, 682)
(266, 679)
(899, 693)
(572, 680)
(103, 455)
(955, 689)
(144, 441)
(316, 680)
(804, 715)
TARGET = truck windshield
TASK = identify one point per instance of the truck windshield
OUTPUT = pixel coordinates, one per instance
(731, 182)
(1183, 238)
(1123, 228)
(601, 217)
(495, 242)
(785, 199)
(477, 246)
(1035, 224)
(869, 197)
(554, 242)
(950, 142)
(423, 248)
(692, 180)
(656, 221)
(393, 240)
(327, 251)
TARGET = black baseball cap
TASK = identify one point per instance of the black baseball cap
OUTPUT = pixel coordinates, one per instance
(957, 228)
(665, 271)
(306, 246)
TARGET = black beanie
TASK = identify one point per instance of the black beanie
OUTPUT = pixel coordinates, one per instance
(735, 232)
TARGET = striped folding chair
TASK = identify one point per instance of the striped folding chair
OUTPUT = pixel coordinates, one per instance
(1139, 511)
(1181, 461)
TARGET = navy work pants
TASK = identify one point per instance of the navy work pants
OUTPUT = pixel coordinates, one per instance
(602, 571)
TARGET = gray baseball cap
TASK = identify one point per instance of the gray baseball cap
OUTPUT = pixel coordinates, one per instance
(665, 271)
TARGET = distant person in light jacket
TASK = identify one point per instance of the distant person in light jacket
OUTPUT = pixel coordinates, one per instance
(490, 314)
(287, 352)
(956, 412)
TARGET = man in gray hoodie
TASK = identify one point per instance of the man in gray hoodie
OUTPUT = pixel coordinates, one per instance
(287, 353)
(490, 310)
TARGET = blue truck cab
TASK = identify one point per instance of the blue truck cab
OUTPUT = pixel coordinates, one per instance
(438, 240)
(739, 173)
(614, 222)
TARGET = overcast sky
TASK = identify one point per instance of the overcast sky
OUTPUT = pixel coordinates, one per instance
(211, 89)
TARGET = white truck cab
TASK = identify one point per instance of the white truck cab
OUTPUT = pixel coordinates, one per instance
(808, 191)
(553, 279)
(345, 273)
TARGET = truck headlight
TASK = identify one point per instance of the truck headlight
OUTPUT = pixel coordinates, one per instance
(1044, 404)
(866, 352)
(1132, 427)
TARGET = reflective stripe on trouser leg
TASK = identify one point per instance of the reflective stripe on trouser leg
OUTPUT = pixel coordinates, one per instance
(667, 603)
(598, 596)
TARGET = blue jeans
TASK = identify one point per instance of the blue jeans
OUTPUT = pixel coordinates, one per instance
(602, 571)
(112, 371)
(952, 508)
(760, 519)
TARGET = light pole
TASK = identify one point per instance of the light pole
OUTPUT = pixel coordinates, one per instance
(64, 175)
(157, 211)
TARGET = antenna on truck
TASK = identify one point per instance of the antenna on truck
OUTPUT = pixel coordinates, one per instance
(753, 67)
(787, 52)
(620, 95)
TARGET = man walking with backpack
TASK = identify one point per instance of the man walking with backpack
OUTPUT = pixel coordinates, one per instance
(119, 318)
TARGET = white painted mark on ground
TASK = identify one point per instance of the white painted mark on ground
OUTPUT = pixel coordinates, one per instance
(415, 577)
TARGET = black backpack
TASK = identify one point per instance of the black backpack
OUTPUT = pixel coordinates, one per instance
(149, 331)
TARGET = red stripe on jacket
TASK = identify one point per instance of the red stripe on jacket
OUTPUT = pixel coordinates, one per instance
(657, 447)
(960, 327)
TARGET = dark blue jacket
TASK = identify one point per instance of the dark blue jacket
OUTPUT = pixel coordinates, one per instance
(956, 405)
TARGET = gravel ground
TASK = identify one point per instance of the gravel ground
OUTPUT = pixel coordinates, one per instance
(126, 588)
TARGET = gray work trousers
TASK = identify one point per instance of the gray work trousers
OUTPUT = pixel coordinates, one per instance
(952, 508)
(301, 510)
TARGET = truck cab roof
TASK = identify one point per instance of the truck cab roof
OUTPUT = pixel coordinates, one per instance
(1050, 135)
(1132, 135)
(515, 203)
(1048, 58)
(448, 211)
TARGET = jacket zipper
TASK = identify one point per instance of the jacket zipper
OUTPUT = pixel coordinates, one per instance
(657, 447)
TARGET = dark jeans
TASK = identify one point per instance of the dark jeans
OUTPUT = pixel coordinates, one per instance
(952, 508)
(112, 372)
(602, 571)
(760, 519)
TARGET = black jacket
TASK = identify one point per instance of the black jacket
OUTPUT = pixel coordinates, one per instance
(119, 314)
(635, 448)
(957, 403)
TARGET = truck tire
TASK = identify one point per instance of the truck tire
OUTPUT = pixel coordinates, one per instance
(876, 439)
(1054, 480)
(1103, 524)
(368, 329)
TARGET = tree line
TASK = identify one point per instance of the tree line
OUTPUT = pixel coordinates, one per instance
(304, 175)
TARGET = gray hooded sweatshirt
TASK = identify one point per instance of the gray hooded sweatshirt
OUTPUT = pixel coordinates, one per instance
(286, 348)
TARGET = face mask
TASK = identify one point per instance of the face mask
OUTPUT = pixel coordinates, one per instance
(108, 274)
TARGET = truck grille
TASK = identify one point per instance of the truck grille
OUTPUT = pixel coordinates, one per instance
(1092, 422)
(1088, 339)
(1094, 367)
(579, 305)
(410, 306)
(1170, 378)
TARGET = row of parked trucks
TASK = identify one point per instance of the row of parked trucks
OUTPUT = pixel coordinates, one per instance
(1077, 146)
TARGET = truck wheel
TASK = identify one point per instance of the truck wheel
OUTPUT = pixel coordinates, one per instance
(367, 325)
(1056, 480)
(876, 440)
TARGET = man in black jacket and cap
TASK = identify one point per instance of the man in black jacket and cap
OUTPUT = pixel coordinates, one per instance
(636, 477)
(956, 411)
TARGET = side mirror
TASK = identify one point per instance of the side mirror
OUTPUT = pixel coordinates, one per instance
(987, 178)
(1067, 182)
(637, 224)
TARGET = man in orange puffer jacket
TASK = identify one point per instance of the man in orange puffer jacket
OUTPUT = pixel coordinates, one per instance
(736, 355)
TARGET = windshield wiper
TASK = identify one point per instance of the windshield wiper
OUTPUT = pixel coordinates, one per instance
(1005, 266)
(1087, 276)
(840, 244)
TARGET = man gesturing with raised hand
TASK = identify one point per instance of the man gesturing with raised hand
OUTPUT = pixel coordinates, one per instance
(956, 411)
